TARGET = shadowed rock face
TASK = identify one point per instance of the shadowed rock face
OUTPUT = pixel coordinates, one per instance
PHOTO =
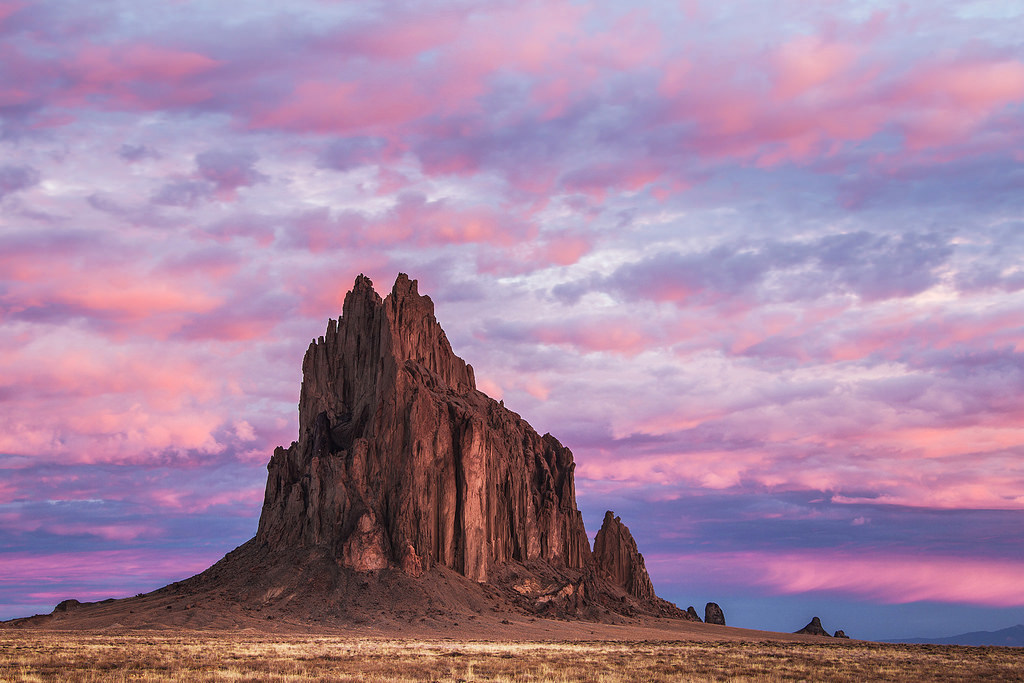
(618, 560)
(401, 462)
(814, 628)
(713, 614)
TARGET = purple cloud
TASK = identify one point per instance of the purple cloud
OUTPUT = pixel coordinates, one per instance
(14, 178)
(228, 170)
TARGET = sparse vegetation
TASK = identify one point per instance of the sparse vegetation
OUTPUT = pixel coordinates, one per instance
(247, 656)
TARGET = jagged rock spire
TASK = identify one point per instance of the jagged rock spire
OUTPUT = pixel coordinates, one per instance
(401, 462)
(343, 369)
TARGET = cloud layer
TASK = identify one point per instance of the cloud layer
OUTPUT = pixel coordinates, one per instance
(770, 261)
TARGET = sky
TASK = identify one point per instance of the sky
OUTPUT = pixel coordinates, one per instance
(760, 265)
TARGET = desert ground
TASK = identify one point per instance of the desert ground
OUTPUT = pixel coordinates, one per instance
(532, 651)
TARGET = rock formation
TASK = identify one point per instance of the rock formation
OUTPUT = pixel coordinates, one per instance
(401, 462)
(713, 614)
(840, 634)
(619, 561)
(408, 497)
(693, 613)
(814, 628)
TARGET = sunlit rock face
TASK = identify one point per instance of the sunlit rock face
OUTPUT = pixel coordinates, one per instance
(402, 462)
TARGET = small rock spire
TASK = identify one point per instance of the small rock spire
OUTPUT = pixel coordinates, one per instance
(618, 559)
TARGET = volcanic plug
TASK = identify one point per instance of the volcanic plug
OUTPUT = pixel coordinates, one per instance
(409, 497)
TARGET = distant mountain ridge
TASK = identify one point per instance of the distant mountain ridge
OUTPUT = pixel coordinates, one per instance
(1007, 637)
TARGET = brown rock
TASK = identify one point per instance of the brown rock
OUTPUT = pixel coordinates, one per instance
(814, 628)
(692, 613)
(401, 462)
(713, 614)
(618, 560)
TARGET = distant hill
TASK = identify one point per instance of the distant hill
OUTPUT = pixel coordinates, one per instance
(1011, 637)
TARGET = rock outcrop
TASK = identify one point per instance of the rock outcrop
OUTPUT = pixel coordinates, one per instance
(618, 560)
(814, 628)
(692, 613)
(713, 614)
(401, 462)
(841, 634)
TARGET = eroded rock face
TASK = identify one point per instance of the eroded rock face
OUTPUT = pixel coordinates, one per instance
(691, 612)
(618, 560)
(713, 614)
(401, 462)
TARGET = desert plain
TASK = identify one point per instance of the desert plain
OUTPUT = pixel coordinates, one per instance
(524, 650)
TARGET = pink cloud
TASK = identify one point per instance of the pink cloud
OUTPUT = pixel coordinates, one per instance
(109, 532)
(141, 565)
(892, 579)
(616, 335)
(9, 7)
(400, 37)
(195, 502)
(534, 36)
(532, 255)
(345, 107)
(888, 579)
(973, 86)
(945, 102)
(111, 405)
(137, 76)
(438, 222)
(124, 294)
(828, 94)
(810, 61)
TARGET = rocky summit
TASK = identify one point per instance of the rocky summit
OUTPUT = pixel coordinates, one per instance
(401, 462)
(409, 495)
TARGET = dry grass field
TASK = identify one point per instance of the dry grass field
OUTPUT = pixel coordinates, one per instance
(247, 656)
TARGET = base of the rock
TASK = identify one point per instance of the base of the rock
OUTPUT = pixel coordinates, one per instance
(251, 586)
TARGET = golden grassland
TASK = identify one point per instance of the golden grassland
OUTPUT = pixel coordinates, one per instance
(247, 656)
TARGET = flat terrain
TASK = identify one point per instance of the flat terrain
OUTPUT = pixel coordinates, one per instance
(31, 655)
